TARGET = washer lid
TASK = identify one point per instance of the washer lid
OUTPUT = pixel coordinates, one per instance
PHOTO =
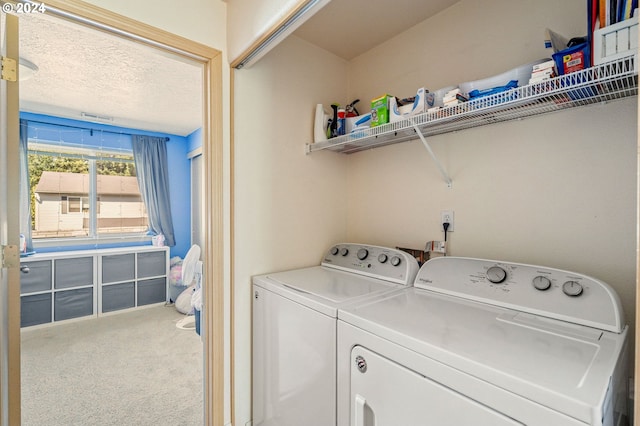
(324, 289)
(557, 364)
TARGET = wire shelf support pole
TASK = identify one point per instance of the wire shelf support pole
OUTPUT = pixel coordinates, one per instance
(443, 172)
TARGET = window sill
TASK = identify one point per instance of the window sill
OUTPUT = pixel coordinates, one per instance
(57, 244)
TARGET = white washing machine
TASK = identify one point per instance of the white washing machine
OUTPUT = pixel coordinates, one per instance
(480, 342)
(294, 329)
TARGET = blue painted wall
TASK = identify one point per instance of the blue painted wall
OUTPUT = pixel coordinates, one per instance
(194, 140)
(49, 128)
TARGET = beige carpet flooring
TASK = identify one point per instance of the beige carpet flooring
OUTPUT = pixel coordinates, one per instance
(133, 368)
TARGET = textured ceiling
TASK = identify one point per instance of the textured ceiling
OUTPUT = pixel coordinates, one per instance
(348, 28)
(86, 70)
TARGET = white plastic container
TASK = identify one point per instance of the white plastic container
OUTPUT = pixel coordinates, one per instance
(521, 73)
(360, 122)
(615, 41)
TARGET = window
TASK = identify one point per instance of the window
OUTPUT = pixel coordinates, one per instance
(77, 192)
(70, 204)
(75, 204)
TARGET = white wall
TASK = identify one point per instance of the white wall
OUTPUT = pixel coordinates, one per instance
(289, 207)
(557, 190)
(249, 19)
(204, 21)
(471, 40)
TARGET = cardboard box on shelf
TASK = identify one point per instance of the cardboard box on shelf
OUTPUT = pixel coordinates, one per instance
(380, 110)
(421, 255)
(572, 59)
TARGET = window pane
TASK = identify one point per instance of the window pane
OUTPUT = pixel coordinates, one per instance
(74, 205)
(121, 209)
(85, 204)
(58, 185)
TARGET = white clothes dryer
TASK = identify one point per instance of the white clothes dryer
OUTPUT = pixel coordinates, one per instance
(480, 342)
(294, 329)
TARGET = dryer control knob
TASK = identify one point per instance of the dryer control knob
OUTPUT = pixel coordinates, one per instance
(572, 288)
(382, 258)
(396, 261)
(363, 253)
(344, 251)
(541, 283)
(496, 274)
(335, 250)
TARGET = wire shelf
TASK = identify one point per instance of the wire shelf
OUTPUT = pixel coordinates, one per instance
(602, 83)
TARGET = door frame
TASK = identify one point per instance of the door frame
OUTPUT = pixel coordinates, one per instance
(10, 402)
(213, 252)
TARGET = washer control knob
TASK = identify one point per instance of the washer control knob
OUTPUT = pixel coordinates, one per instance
(496, 274)
(335, 251)
(396, 261)
(541, 283)
(363, 253)
(344, 251)
(572, 288)
(383, 258)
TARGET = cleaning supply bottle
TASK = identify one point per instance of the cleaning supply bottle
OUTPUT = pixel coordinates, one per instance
(334, 122)
(342, 114)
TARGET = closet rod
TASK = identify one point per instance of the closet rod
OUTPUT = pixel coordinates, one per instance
(85, 128)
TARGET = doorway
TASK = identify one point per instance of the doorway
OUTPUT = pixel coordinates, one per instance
(210, 59)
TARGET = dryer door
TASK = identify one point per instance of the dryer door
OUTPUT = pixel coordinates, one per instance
(384, 393)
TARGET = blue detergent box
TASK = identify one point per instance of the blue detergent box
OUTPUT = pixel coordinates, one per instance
(572, 59)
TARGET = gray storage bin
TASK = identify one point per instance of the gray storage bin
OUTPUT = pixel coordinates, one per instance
(75, 272)
(119, 267)
(38, 278)
(73, 303)
(35, 309)
(152, 264)
(152, 291)
(118, 296)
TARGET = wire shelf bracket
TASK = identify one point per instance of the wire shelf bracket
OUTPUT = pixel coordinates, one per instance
(442, 170)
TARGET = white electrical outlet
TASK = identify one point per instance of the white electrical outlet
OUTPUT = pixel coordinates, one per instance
(446, 216)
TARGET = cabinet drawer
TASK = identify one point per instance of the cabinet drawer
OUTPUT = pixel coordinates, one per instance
(74, 272)
(152, 291)
(153, 264)
(73, 303)
(38, 278)
(35, 309)
(118, 296)
(119, 267)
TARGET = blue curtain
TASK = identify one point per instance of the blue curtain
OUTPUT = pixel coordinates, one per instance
(150, 157)
(25, 193)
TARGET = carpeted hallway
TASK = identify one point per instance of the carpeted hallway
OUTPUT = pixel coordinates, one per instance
(133, 368)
